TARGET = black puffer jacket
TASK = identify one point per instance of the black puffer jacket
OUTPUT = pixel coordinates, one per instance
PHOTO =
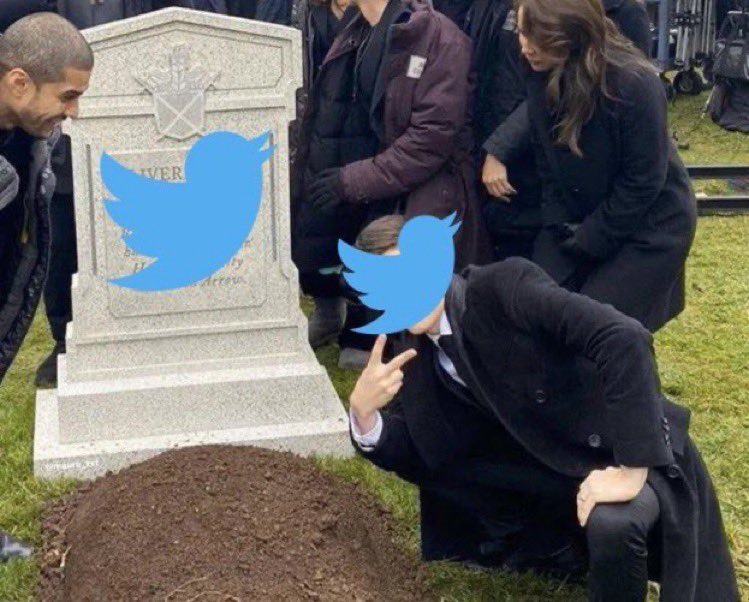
(335, 131)
(24, 239)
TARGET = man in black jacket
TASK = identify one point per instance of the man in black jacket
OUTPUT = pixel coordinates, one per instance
(527, 407)
(45, 66)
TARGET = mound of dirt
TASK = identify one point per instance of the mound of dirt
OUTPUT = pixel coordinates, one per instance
(224, 524)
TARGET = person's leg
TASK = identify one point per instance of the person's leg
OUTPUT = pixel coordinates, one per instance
(57, 295)
(356, 347)
(617, 537)
(329, 314)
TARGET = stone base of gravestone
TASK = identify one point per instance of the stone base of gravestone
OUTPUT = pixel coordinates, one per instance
(225, 361)
(88, 460)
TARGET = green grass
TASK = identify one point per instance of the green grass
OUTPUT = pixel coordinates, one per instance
(704, 361)
(708, 144)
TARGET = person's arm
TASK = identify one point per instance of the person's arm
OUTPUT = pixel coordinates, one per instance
(644, 150)
(389, 445)
(512, 138)
(619, 346)
(441, 97)
(381, 435)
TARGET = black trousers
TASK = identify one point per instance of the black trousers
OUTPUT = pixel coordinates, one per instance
(522, 517)
(63, 263)
(622, 544)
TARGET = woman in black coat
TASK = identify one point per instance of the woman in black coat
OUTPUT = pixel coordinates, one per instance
(501, 88)
(618, 211)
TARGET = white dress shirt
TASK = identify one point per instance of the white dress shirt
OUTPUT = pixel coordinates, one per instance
(368, 441)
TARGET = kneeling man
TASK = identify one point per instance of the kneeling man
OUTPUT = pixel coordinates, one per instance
(532, 420)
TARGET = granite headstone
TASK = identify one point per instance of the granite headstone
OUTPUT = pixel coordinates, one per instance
(225, 361)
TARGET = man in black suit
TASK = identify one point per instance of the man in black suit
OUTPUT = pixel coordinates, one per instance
(532, 420)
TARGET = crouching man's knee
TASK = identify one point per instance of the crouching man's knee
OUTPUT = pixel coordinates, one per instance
(618, 531)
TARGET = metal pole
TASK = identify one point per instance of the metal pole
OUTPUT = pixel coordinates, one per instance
(664, 33)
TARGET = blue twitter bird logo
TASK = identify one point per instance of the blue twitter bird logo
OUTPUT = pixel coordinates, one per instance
(191, 228)
(409, 286)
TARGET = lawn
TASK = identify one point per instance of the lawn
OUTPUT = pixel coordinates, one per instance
(704, 362)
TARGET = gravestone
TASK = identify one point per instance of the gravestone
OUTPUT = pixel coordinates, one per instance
(225, 361)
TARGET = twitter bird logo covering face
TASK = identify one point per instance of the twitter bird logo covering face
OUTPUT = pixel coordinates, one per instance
(407, 287)
(194, 228)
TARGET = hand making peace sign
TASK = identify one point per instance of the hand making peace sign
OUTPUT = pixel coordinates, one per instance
(378, 384)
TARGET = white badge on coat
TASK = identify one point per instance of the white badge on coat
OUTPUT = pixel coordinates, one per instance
(416, 66)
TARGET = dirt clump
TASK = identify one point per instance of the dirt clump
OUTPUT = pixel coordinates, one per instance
(224, 524)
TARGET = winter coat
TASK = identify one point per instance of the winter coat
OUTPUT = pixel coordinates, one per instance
(24, 239)
(335, 130)
(629, 193)
(413, 145)
(274, 11)
(85, 14)
(501, 88)
(574, 383)
(421, 108)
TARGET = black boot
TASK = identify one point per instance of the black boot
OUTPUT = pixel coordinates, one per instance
(327, 320)
(46, 374)
(11, 548)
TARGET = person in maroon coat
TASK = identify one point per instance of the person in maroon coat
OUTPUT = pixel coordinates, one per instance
(387, 130)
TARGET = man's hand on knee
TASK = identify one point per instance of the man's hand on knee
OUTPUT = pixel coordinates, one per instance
(608, 487)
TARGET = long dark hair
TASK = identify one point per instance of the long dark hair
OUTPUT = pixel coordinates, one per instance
(579, 30)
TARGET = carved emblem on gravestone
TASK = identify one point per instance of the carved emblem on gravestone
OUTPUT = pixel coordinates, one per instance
(179, 95)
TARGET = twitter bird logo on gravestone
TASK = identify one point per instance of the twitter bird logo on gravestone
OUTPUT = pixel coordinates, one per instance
(409, 286)
(194, 228)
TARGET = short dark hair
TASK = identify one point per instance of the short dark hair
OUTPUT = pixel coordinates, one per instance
(382, 234)
(44, 45)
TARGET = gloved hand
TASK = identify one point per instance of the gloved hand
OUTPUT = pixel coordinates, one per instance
(326, 192)
(8, 183)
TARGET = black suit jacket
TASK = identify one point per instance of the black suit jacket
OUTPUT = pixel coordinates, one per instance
(574, 382)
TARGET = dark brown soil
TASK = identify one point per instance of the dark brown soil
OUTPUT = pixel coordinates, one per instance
(224, 524)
